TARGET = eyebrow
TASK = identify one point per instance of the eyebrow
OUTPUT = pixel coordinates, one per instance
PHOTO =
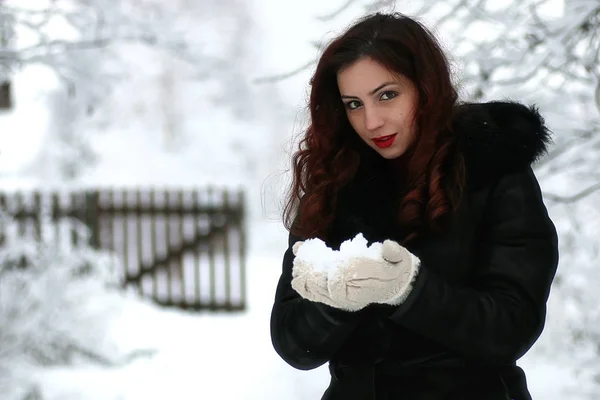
(372, 92)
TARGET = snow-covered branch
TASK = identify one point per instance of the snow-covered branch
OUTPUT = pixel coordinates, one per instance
(575, 197)
(62, 27)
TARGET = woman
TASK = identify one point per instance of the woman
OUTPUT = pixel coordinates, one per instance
(469, 252)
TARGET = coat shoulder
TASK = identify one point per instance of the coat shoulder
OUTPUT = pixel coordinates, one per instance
(499, 137)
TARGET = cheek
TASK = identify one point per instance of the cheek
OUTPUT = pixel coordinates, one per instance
(408, 122)
(356, 124)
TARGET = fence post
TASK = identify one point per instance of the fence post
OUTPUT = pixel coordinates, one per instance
(242, 248)
(4, 210)
(91, 217)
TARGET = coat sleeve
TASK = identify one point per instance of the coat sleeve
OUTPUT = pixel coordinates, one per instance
(306, 334)
(498, 316)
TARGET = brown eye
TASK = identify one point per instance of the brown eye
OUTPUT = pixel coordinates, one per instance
(388, 95)
(353, 105)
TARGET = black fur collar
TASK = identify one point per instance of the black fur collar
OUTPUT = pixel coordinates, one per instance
(499, 137)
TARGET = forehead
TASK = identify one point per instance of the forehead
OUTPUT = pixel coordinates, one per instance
(363, 76)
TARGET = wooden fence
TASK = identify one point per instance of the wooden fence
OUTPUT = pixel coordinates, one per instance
(5, 96)
(182, 248)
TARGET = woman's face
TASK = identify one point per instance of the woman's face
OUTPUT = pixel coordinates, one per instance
(380, 106)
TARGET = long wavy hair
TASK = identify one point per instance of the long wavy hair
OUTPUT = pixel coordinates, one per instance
(330, 152)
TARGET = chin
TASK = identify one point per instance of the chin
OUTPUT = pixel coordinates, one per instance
(391, 154)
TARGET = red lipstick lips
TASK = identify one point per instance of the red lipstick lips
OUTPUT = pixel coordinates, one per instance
(384, 141)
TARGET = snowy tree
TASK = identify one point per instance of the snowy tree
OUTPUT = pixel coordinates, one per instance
(75, 40)
(57, 300)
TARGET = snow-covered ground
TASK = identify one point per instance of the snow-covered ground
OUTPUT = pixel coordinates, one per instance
(203, 356)
(224, 357)
(207, 355)
(211, 356)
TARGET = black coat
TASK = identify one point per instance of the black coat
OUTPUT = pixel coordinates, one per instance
(479, 302)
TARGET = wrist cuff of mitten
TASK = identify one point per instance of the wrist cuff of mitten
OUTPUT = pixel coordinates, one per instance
(415, 263)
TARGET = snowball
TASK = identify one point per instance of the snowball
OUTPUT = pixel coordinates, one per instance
(325, 259)
(316, 252)
(357, 247)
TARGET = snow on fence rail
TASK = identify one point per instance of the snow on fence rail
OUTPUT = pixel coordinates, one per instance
(182, 248)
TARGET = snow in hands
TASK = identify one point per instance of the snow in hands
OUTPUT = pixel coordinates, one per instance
(324, 259)
(355, 276)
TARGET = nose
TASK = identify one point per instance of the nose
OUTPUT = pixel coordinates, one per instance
(373, 118)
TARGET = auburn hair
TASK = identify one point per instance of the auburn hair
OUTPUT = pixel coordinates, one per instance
(330, 151)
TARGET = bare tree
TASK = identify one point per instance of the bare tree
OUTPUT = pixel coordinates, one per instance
(75, 40)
